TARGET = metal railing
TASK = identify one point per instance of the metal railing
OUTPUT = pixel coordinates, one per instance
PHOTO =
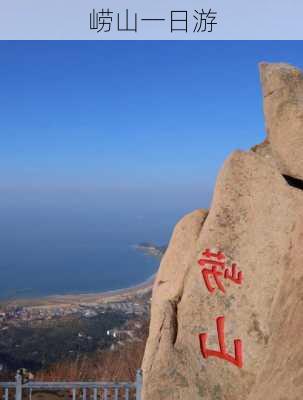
(76, 390)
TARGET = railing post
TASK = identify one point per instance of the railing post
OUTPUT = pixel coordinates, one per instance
(18, 394)
(138, 384)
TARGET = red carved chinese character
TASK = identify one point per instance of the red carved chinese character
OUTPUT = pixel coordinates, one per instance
(219, 256)
(237, 360)
(213, 271)
(234, 276)
(217, 270)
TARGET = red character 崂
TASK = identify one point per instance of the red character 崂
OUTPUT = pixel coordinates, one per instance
(218, 270)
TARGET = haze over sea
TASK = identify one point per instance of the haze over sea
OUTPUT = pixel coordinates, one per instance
(107, 144)
(71, 241)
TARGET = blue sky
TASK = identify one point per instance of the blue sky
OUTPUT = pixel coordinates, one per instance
(144, 122)
(107, 144)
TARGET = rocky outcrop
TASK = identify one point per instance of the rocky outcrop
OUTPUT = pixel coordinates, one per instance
(227, 301)
(283, 109)
(282, 368)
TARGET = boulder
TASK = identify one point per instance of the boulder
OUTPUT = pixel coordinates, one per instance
(283, 109)
(282, 368)
(227, 300)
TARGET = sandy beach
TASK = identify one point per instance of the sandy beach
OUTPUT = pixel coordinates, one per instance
(84, 298)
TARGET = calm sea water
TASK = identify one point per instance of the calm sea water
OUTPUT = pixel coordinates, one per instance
(48, 250)
(68, 269)
(59, 240)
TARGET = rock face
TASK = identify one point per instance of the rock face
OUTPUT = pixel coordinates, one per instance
(283, 107)
(227, 308)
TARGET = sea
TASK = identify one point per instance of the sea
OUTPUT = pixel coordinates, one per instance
(48, 250)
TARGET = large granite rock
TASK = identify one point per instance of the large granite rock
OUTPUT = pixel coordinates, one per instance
(254, 226)
(283, 108)
(282, 369)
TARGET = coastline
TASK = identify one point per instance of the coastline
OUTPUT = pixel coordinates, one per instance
(75, 299)
(83, 298)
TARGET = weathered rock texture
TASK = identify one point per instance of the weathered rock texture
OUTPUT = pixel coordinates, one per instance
(283, 107)
(256, 220)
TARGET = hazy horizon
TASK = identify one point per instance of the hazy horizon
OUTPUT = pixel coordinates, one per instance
(109, 144)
